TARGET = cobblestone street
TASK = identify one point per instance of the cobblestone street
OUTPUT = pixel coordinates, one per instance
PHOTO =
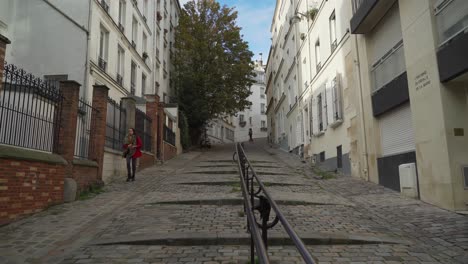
(189, 210)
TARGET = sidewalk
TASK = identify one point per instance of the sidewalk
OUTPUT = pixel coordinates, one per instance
(438, 235)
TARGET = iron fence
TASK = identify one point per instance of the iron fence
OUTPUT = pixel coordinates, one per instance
(259, 199)
(83, 148)
(143, 128)
(115, 125)
(30, 110)
(169, 135)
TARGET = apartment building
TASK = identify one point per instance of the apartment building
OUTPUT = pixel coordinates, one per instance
(254, 117)
(380, 89)
(311, 74)
(167, 17)
(413, 67)
(93, 42)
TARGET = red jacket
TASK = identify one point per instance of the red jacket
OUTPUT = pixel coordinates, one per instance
(138, 148)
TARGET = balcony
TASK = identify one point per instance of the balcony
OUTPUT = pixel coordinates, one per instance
(121, 28)
(102, 64)
(334, 45)
(390, 82)
(119, 79)
(264, 129)
(452, 23)
(132, 88)
(367, 13)
(105, 5)
(319, 67)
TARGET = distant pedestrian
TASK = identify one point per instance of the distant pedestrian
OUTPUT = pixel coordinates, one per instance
(132, 151)
(250, 134)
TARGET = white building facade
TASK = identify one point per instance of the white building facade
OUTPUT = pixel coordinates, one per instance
(310, 75)
(254, 117)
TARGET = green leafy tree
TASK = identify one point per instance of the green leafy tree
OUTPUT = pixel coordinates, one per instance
(213, 64)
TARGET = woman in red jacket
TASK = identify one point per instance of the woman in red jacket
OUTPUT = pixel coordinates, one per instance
(132, 148)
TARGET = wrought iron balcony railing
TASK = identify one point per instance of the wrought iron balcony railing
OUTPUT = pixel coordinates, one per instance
(102, 64)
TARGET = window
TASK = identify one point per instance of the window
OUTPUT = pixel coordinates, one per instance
(145, 44)
(134, 32)
(250, 120)
(241, 118)
(122, 9)
(143, 84)
(336, 98)
(145, 9)
(133, 78)
(120, 64)
(263, 124)
(103, 48)
(262, 92)
(317, 55)
(333, 31)
(262, 108)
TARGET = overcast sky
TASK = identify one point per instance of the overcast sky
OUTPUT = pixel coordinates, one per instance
(255, 18)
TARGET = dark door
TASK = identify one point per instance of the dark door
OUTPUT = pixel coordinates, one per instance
(339, 157)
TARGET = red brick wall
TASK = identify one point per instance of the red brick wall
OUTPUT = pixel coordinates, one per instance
(85, 177)
(28, 187)
(169, 151)
(146, 160)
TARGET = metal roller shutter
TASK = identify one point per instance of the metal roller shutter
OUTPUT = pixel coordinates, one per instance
(397, 131)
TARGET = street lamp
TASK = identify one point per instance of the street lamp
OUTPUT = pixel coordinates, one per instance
(297, 18)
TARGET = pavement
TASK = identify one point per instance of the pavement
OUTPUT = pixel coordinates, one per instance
(189, 210)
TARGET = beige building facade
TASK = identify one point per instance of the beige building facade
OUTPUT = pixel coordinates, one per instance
(414, 87)
(402, 71)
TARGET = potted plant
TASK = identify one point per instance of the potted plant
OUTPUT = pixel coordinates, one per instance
(312, 13)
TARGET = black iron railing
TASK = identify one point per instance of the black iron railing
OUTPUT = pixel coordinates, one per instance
(169, 135)
(30, 110)
(143, 127)
(83, 148)
(261, 201)
(115, 125)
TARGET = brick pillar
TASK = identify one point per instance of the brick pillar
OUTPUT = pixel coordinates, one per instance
(3, 42)
(129, 104)
(98, 125)
(162, 121)
(152, 104)
(68, 118)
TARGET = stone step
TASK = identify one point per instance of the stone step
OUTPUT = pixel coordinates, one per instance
(274, 239)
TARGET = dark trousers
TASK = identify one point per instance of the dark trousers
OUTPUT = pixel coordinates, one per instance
(131, 167)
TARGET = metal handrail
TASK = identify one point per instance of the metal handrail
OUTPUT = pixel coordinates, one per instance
(266, 203)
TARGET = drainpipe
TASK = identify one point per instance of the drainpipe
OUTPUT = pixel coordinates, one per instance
(361, 108)
(87, 68)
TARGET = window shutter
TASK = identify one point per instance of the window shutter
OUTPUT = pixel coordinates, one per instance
(324, 110)
(314, 115)
(330, 109)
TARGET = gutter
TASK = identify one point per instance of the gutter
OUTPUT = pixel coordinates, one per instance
(361, 106)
